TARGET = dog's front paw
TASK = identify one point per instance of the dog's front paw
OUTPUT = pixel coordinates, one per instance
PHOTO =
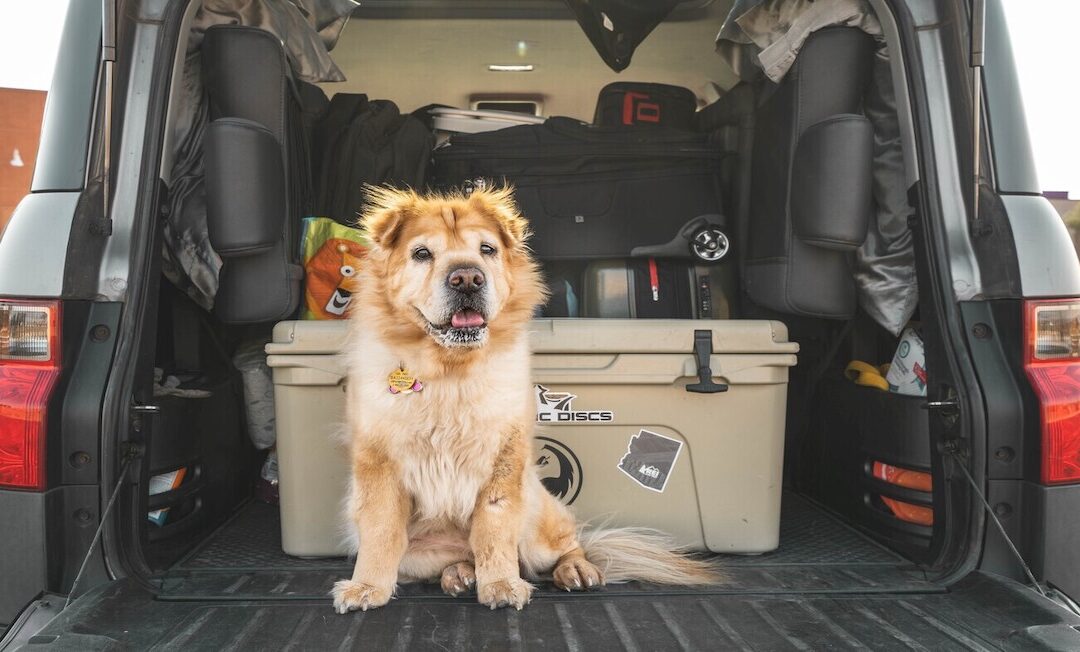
(511, 592)
(350, 595)
(577, 574)
(458, 578)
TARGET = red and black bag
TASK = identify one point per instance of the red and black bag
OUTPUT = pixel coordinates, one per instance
(644, 104)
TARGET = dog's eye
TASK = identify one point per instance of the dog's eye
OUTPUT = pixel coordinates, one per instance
(487, 250)
(421, 254)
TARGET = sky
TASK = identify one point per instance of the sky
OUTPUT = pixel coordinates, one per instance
(1044, 36)
(1044, 40)
(29, 37)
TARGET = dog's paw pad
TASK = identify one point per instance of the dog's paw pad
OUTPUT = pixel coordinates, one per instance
(350, 595)
(513, 592)
(458, 578)
(577, 575)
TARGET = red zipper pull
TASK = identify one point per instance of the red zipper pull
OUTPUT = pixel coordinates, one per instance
(654, 280)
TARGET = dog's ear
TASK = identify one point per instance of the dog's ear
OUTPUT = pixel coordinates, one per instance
(384, 213)
(499, 203)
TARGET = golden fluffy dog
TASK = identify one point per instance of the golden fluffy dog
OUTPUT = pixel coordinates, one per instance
(440, 416)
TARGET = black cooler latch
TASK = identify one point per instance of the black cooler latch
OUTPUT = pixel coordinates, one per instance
(702, 354)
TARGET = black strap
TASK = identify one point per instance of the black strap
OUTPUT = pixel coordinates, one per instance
(702, 357)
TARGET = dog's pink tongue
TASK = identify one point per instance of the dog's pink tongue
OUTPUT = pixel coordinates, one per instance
(466, 319)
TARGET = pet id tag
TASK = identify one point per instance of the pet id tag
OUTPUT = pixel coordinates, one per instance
(403, 382)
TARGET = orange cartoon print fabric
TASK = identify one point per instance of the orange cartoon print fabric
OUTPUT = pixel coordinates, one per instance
(332, 257)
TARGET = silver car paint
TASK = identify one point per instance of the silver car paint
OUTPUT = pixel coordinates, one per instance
(34, 245)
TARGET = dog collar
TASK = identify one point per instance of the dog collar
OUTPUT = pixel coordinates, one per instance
(401, 381)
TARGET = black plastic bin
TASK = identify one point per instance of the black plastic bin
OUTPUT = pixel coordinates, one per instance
(854, 427)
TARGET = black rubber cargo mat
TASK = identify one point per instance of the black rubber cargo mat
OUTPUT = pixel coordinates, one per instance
(817, 554)
(980, 613)
(251, 540)
(808, 535)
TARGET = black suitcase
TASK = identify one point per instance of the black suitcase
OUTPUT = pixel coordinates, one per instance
(644, 104)
(641, 288)
(597, 192)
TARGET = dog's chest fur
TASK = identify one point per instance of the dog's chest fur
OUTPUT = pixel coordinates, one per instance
(447, 437)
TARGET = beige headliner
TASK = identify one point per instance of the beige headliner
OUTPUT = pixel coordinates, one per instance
(416, 62)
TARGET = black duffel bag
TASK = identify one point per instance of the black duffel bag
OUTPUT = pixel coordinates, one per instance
(596, 192)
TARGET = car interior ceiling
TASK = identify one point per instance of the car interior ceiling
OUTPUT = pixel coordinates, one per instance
(837, 514)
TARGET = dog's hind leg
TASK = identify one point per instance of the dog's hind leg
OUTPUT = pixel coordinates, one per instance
(458, 578)
(552, 545)
(441, 554)
(453, 569)
(379, 509)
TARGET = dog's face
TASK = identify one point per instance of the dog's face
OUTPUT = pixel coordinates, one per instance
(454, 267)
(451, 269)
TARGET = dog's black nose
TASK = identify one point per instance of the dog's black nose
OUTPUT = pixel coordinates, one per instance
(466, 280)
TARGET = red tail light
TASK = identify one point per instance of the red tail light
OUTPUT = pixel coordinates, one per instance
(29, 369)
(1052, 362)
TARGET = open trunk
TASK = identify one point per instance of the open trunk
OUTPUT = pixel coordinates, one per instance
(838, 532)
(851, 569)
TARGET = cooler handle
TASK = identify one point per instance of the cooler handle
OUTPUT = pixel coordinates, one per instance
(702, 353)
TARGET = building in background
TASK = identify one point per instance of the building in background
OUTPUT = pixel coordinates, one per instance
(20, 128)
(1069, 210)
(1061, 202)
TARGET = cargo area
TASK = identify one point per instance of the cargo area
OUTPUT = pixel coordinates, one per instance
(823, 477)
(826, 587)
(775, 413)
(818, 554)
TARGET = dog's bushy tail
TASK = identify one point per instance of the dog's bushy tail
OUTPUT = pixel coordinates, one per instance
(632, 553)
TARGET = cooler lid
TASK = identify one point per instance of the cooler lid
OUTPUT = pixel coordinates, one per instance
(657, 336)
(577, 336)
(308, 337)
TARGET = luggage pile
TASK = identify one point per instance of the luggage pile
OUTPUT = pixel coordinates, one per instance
(627, 213)
(629, 221)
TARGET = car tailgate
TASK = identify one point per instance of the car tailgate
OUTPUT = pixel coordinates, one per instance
(980, 612)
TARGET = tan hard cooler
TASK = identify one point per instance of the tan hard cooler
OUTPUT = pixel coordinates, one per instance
(619, 436)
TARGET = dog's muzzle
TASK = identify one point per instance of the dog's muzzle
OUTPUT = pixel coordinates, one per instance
(467, 324)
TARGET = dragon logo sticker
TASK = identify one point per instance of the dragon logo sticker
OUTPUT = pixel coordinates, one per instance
(559, 469)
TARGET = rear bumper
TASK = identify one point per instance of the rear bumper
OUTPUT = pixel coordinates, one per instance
(1052, 534)
(23, 562)
(45, 538)
(32, 619)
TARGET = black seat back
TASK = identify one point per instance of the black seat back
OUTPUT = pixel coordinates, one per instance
(811, 179)
(257, 173)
